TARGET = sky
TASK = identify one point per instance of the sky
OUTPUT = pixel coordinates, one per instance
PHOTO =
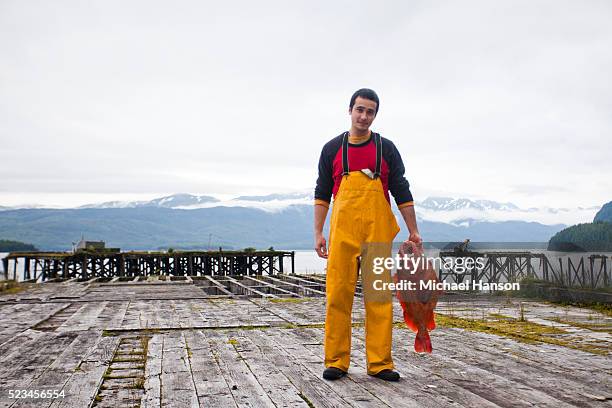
(115, 100)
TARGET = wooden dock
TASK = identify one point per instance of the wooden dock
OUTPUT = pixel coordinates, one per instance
(107, 264)
(253, 341)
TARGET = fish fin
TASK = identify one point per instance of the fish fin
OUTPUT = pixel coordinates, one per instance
(431, 321)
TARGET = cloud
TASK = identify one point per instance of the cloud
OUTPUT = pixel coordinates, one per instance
(140, 97)
(539, 189)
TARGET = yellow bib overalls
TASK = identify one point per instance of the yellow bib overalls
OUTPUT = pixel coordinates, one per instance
(360, 215)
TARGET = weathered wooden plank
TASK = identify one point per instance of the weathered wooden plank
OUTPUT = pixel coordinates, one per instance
(61, 369)
(19, 317)
(278, 387)
(303, 282)
(188, 313)
(237, 312)
(248, 290)
(84, 318)
(178, 389)
(245, 388)
(300, 289)
(394, 394)
(302, 311)
(82, 386)
(576, 362)
(54, 377)
(112, 315)
(312, 388)
(219, 285)
(490, 386)
(351, 392)
(33, 361)
(211, 387)
(424, 384)
(560, 383)
(153, 314)
(271, 286)
(20, 341)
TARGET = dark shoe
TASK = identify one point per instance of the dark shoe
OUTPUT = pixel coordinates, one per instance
(387, 375)
(333, 373)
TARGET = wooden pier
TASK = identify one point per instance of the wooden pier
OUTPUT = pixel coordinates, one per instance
(586, 272)
(85, 265)
(257, 340)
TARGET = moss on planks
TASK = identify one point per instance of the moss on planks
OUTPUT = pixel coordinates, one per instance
(138, 346)
(598, 327)
(11, 287)
(306, 400)
(603, 308)
(523, 331)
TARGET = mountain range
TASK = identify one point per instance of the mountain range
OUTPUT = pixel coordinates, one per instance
(441, 209)
(172, 201)
(279, 220)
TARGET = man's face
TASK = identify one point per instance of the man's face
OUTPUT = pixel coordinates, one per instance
(363, 113)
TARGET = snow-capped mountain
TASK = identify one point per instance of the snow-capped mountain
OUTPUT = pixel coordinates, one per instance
(277, 197)
(456, 211)
(171, 201)
(23, 207)
(181, 200)
(270, 202)
(455, 204)
(463, 211)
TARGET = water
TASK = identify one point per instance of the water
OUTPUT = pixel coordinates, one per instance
(306, 262)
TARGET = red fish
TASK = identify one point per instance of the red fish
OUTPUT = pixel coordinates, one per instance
(419, 301)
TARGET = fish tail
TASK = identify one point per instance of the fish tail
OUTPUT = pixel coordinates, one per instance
(422, 342)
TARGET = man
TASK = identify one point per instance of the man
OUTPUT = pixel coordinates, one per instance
(359, 169)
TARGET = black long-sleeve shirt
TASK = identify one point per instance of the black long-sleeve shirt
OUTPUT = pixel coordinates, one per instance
(362, 156)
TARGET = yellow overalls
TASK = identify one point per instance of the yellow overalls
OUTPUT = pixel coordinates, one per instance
(360, 214)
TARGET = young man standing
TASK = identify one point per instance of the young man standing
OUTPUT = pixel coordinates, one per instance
(359, 168)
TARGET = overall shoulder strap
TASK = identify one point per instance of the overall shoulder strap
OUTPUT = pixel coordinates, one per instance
(345, 164)
(378, 154)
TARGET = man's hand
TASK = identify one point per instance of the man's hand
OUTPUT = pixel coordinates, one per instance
(416, 238)
(410, 218)
(321, 245)
(320, 212)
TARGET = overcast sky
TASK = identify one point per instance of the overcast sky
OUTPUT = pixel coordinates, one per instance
(502, 100)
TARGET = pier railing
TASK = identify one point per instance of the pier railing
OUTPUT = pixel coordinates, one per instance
(577, 271)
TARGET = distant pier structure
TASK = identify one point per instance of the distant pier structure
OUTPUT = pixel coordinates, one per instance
(587, 271)
(109, 263)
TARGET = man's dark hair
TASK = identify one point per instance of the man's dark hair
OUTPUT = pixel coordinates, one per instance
(366, 94)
